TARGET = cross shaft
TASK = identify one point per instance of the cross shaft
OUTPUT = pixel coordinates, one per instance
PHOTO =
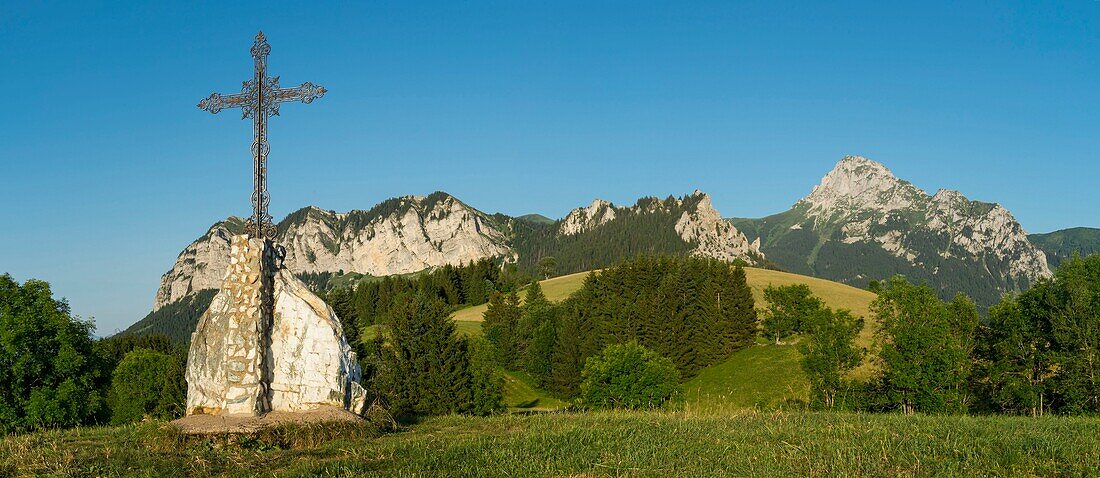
(260, 98)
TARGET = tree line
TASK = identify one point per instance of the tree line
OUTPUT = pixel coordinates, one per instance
(1034, 353)
(371, 300)
(651, 321)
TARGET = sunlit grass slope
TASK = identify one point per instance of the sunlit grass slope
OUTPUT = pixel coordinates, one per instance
(556, 289)
(637, 444)
(520, 394)
(760, 377)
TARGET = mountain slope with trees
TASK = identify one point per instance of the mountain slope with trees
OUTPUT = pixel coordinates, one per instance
(863, 224)
(1061, 245)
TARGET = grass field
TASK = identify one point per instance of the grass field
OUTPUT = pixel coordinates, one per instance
(592, 444)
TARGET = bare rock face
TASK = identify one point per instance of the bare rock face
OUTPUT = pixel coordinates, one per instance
(310, 359)
(715, 237)
(198, 267)
(583, 219)
(419, 233)
(268, 344)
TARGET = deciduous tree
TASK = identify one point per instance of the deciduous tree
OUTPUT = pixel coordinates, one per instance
(829, 353)
(49, 373)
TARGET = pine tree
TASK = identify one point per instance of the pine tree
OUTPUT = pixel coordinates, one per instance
(341, 301)
(538, 361)
(537, 334)
(486, 380)
(501, 326)
(568, 355)
(425, 366)
(691, 310)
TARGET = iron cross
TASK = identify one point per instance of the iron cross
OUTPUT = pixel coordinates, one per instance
(259, 98)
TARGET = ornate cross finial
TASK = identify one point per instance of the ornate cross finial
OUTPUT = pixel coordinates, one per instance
(259, 98)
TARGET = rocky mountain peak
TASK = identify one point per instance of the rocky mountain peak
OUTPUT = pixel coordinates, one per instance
(861, 202)
(697, 223)
(700, 223)
(585, 218)
(946, 196)
(857, 183)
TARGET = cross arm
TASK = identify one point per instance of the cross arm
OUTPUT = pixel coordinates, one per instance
(217, 102)
(306, 93)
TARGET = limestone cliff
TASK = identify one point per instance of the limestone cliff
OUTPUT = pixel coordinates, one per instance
(587, 218)
(714, 237)
(401, 235)
(411, 234)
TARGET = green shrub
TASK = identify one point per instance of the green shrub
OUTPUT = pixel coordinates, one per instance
(146, 383)
(628, 376)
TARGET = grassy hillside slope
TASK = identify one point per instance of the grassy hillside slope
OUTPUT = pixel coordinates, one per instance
(764, 377)
(556, 289)
(593, 444)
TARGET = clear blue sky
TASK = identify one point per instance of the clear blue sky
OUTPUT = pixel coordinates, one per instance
(109, 169)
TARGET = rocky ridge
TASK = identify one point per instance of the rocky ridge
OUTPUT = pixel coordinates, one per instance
(698, 223)
(715, 237)
(399, 236)
(413, 233)
(582, 219)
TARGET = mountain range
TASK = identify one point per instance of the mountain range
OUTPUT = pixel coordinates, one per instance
(861, 223)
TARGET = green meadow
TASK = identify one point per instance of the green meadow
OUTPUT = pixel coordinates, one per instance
(641, 444)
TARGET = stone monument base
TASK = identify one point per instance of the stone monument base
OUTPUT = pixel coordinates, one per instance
(246, 423)
(268, 344)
